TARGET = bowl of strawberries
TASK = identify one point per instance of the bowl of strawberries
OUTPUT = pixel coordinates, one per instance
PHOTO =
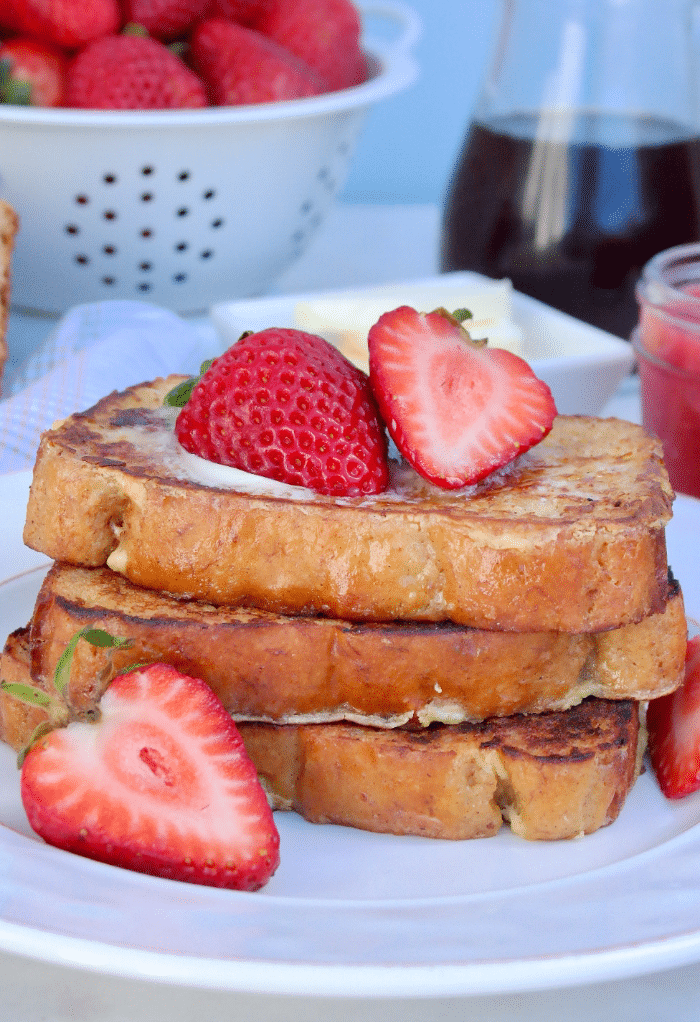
(182, 152)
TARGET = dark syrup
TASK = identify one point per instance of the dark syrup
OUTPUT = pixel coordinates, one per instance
(573, 223)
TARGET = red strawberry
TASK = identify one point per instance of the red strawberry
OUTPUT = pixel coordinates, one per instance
(127, 72)
(160, 784)
(673, 722)
(245, 12)
(36, 73)
(287, 405)
(65, 23)
(325, 34)
(241, 66)
(164, 19)
(456, 410)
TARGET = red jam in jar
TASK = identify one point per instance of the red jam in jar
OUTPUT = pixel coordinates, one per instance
(667, 345)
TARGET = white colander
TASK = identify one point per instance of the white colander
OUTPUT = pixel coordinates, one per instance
(183, 208)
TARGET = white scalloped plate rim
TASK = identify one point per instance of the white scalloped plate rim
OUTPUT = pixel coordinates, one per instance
(362, 915)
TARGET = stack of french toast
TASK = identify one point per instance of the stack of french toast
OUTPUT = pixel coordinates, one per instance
(418, 661)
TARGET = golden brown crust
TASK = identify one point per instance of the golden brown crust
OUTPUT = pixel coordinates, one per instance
(269, 667)
(550, 776)
(9, 225)
(569, 538)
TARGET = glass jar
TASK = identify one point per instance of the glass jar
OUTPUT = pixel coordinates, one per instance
(667, 346)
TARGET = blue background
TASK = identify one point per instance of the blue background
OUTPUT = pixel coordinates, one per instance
(411, 141)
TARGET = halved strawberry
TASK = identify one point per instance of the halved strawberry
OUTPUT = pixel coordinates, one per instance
(455, 409)
(160, 784)
(287, 405)
(673, 722)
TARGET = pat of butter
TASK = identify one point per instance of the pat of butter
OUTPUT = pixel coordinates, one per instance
(345, 321)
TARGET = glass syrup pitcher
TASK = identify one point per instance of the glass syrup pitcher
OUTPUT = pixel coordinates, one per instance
(582, 158)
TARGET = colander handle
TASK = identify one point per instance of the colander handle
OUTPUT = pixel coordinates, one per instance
(403, 17)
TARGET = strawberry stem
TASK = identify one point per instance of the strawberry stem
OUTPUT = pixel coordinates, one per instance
(132, 28)
(39, 731)
(96, 637)
(458, 318)
(13, 91)
(55, 705)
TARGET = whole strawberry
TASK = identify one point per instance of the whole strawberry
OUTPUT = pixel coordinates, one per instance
(324, 34)
(241, 66)
(32, 73)
(164, 19)
(245, 12)
(128, 72)
(287, 405)
(65, 23)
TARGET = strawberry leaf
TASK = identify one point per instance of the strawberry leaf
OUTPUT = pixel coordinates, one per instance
(57, 712)
(56, 709)
(458, 318)
(102, 639)
(136, 667)
(180, 395)
(28, 694)
(14, 91)
(96, 637)
(462, 314)
(134, 29)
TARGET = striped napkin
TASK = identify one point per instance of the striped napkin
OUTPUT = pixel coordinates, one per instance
(93, 350)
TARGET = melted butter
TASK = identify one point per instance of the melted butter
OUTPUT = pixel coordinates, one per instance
(225, 477)
(547, 481)
(155, 442)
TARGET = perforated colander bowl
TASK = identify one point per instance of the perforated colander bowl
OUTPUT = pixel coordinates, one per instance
(183, 208)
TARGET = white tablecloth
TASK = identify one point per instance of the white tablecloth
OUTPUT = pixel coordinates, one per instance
(359, 245)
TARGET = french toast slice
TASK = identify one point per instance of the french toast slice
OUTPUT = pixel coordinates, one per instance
(569, 537)
(9, 225)
(550, 776)
(280, 669)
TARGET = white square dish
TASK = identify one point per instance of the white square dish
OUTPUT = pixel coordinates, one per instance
(581, 364)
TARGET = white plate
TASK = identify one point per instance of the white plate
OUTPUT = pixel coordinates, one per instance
(367, 915)
(581, 364)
